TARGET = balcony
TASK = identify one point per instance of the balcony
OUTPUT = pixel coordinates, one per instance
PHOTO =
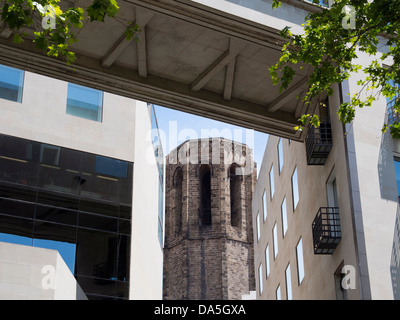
(326, 230)
(393, 115)
(318, 143)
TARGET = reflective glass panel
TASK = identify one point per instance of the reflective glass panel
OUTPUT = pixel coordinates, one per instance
(11, 83)
(85, 102)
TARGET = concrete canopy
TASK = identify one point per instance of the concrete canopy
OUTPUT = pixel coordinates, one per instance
(190, 57)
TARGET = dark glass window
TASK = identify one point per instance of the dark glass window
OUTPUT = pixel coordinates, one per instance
(63, 199)
(11, 83)
(205, 195)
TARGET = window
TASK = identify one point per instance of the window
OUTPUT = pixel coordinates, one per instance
(284, 217)
(258, 226)
(11, 83)
(271, 181)
(178, 181)
(288, 283)
(85, 102)
(331, 191)
(76, 202)
(265, 204)
(300, 260)
(260, 278)
(397, 174)
(280, 155)
(278, 292)
(341, 293)
(205, 195)
(235, 196)
(295, 189)
(267, 267)
(275, 240)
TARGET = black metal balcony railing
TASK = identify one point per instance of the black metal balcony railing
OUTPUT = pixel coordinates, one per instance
(326, 230)
(318, 143)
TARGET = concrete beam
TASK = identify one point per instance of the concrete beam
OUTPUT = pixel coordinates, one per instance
(229, 76)
(287, 95)
(222, 61)
(142, 18)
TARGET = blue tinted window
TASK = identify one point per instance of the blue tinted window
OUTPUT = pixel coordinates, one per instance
(85, 102)
(11, 83)
(111, 167)
(397, 170)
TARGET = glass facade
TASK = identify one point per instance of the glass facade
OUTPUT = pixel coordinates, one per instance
(159, 155)
(85, 102)
(11, 83)
(75, 202)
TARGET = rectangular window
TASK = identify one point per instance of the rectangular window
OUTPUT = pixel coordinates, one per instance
(258, 226)
(265, 204)
(85, 102)
(260, 278)
(284, 217)
(267, 267)
(11, 83)
(295, 189)
(300, 260)
(271, 181)
(397, 175)
(280, 155)
(275, 240)
(288, 283)
(278, 292)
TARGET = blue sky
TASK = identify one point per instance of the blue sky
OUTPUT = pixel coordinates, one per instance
(179, 126)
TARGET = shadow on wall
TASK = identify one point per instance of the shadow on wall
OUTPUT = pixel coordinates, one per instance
(386, 170)
(394, 263)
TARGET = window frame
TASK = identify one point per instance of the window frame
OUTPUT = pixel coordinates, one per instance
(300, 261)
(21, 82)
(295, 195)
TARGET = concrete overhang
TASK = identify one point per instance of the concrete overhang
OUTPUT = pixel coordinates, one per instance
(190, 56)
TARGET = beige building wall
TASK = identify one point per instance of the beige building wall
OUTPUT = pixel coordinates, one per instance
(319, 270)
(362, 159)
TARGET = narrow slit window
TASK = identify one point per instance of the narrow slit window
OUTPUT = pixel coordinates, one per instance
(205, 195)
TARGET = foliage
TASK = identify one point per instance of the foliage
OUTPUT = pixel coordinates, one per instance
(54, 29)
(330, 46)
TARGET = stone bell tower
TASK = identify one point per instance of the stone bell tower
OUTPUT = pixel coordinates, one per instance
(208, 251)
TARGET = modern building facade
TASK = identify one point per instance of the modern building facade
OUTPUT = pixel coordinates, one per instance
(208, 251)
(325, 212)
(79, 174)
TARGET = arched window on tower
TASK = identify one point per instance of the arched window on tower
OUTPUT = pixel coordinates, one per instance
(178, 181)
(205, 195)
(235, 187)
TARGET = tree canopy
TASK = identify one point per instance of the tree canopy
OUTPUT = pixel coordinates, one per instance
(332, 40)
(53, 24)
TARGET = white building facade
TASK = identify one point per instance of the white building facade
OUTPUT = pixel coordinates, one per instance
(79, 174)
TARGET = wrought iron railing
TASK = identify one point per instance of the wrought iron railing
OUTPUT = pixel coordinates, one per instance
(326, 230)
(318, 143)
